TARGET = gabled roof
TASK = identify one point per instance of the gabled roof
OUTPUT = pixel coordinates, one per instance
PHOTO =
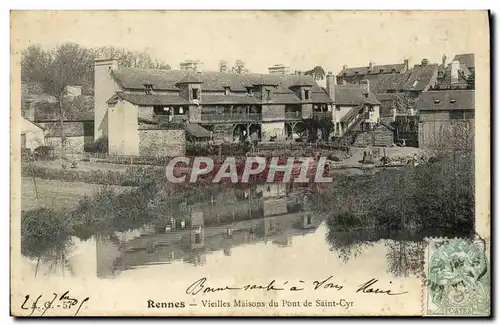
(353, 95)
(135, 78)
(467, 59)
(166, 80)
(380, 69)
(420, 77)
(34, 123)
(385, 82)
(446, 100)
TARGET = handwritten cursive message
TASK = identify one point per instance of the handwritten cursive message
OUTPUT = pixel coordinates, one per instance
(41, 304)
(202, 286)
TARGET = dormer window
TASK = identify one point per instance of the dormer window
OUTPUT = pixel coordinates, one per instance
(227, 90)
(268, 94)
(452, 101)
(306, 94)
(250, 90)
(149, 89)
(194, 93)
(436, 101)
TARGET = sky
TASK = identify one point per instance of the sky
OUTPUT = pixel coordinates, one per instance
(299, 39)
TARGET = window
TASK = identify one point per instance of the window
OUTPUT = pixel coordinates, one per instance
(250, 91)
(149, 89)
(227, 90)
(195, 93)
(457, 114)
(306, 94)
(469, 115)
(197, 238)
(268, 94)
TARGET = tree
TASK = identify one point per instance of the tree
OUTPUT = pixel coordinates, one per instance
(132, 59)
(54, 70)
(239, 68)
(318, 73)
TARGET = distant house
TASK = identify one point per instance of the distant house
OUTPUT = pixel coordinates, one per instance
(78, 123)
(357, 74)
(356, 107)
(393, 85)
(230, 107)
(78, 132)
(457, 74)
(446, 119)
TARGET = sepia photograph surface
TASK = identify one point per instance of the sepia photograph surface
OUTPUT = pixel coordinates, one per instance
(250, 163)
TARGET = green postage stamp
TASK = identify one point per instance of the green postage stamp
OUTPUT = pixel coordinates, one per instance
(458, 278)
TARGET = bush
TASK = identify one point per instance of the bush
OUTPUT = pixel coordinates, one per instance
(132, 176)
(43, 231)
(98, 146)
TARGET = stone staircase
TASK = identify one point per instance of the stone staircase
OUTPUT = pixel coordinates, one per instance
(381, 136)
(364, 139)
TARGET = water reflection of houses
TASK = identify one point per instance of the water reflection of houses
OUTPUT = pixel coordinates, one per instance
(269, 213)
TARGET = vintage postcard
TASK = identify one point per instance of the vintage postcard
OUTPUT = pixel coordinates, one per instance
(250, 163)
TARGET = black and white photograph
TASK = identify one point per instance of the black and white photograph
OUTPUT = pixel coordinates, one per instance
(250, 163)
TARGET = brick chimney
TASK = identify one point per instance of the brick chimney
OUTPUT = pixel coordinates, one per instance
(105, 86)
(406, 65)
(455, 66)
(443, 61)
(330, 86)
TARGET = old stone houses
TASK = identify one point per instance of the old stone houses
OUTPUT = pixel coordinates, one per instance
(229, 107)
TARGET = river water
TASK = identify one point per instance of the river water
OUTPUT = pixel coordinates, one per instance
(266, 227)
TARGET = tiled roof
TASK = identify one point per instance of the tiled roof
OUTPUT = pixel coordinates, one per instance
(463, 74)
(320, 96)
(467, 59)
(385, 82)
(191, 78)
(135, 78)
(420, 77)
(166, 80)
(446, 100)
(353, 95)
(149, 99)
(380, 69)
